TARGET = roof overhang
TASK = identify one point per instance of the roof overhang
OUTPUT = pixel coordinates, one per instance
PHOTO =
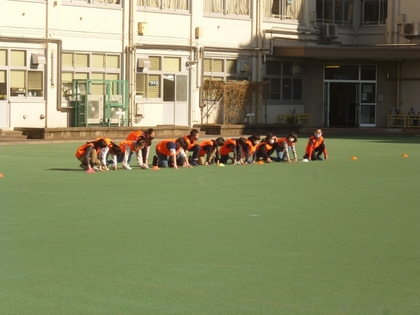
(365, 52)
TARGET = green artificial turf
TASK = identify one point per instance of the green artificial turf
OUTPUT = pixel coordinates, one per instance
(335, 237)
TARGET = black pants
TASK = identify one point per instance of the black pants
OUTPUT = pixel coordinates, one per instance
(315, 153)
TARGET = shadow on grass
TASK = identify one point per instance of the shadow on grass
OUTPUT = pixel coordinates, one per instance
(65, 169)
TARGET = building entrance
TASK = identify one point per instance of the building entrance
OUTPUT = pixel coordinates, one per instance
(350, 95)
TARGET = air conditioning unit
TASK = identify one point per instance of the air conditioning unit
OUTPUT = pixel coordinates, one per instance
(95, 110)
(116, 115)
(410, 29)
(329, 31)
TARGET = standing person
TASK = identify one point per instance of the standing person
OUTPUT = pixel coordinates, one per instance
(210, 148)
(193, 146)
(149, 135)
(234, 146)
(315, 147)
(87, 154)
(266, 148)
(249, 148)
(284, 146)
(173, 149)
(128, 147)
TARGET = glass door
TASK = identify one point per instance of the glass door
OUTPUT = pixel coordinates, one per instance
(175, 98)
(4, 106)
(326, 116)
(368, 104)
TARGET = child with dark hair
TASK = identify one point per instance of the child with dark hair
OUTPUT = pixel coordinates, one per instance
(173, 149)
(128, 147)
(249, 148)
(193, 146)
(111, 148)
(283, 147)
(266, 148)
(210, 148)
(87, 154)
(231, 145)
(148, 135)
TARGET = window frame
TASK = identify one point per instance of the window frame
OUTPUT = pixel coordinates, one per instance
(347, 6)
(225, 9)
(87, 71)
(382, 12)
(282, 78)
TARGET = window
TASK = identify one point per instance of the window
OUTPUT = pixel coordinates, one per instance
(3, 85)
(283, 9)
(227, 7)
(286, 83)
(335, 11)
(94, 2)
(83, 66)
(3, 57)
(225, 69)
(164, 4)
(374, 12)
(25, 81)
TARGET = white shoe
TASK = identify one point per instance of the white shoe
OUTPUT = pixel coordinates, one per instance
(127, 167)
(95, 168)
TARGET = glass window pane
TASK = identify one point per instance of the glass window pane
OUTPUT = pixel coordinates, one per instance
(67, 60)
(273, 68)
(112, 76)
(35, 86)
(368, 73)
(218, 65)
(368, 93)
(3, 57)
(82, 60)
(171, 64)
(18, 58)
(98, 61)
(287, 68)
(155, 63)
(141, 87)
(81, 76)
(97, 87)
(207, 65)
(181, 88)
(17, 83)
(297, 89)
(154, 86)
(3, 85)
(231, 66)
(113, 61)
(286, 89)
(168, 88)
(342, 72)
(275, 89)
(367, 114)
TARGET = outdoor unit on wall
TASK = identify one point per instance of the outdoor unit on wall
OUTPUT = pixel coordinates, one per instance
(95, 110)
(329, 31)
(143, 63)
(410, 29)
(116, 114)
(114, 101)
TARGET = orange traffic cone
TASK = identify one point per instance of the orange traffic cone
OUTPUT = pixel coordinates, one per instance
(354, 158)
(405, 155)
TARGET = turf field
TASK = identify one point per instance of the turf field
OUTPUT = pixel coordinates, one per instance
(335, 237)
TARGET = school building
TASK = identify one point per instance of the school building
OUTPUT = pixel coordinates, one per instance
(69, 63)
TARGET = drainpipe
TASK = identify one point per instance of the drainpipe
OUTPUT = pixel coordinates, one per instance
(131, 67)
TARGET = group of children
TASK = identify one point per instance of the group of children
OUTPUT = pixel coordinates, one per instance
(103, 153)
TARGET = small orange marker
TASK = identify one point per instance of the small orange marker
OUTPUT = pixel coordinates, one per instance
(405, 155)
(260, 162)
(1, 175)
(155, 168)
(354, 158)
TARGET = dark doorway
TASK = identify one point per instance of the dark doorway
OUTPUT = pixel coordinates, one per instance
(343, 108)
